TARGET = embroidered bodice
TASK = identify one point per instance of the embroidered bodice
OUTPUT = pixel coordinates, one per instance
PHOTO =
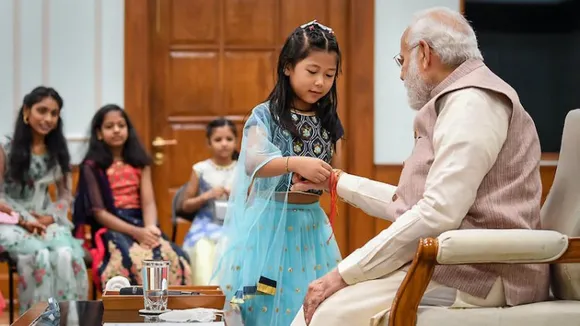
(314, 141)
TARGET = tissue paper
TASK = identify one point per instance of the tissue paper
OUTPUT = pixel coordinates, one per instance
(203, 315)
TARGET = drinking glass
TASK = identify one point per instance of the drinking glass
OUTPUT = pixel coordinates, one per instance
(155, 278)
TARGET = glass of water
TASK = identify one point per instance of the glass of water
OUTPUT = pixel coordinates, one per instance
(155, 279)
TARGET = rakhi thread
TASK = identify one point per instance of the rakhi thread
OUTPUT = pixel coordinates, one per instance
(332, 183)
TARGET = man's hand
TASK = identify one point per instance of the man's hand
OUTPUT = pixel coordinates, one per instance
(301, 184)
(319, 290)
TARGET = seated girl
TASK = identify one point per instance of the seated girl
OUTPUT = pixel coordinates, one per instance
(115, 198)
(49, 260)
(205, 197)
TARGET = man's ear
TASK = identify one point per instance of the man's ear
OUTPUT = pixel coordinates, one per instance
(425, 54)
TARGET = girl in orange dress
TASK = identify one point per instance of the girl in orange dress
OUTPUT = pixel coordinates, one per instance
(115, 198)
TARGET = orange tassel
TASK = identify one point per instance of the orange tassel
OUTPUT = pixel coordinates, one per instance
(332, 183)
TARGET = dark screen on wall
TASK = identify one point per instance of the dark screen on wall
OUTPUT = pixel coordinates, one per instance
(536, 49)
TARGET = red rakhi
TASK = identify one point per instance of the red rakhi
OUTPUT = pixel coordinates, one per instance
(332, 183)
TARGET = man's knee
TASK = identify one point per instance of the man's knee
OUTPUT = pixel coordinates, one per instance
(322, 316)
(299, 318)
(327, 314)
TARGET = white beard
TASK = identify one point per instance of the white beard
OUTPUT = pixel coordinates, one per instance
(418, 90)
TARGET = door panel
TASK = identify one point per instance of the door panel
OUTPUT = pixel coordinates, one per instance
(213, 58)
(192, 78)
(250, 23)
(194, 21)
(249, 79)
(298, 12)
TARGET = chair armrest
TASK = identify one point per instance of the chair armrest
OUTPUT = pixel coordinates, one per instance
(180, 229)
(483, 246)
(500, 246)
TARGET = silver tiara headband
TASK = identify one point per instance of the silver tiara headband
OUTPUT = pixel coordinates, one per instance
(314, 22)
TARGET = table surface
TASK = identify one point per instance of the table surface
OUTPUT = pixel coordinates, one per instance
(86, 313)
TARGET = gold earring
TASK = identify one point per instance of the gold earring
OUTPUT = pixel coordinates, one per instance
(25, 119)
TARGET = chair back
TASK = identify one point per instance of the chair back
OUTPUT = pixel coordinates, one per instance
(561, 210)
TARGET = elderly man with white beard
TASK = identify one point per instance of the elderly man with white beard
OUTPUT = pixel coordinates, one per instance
(474, 165)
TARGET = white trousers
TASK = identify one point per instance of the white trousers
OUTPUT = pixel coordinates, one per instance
(367, 303)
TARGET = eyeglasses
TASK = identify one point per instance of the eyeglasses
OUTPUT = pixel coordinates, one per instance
(399, 58)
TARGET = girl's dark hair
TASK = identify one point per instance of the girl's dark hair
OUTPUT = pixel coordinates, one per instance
(99, 152)
(222, 122)
(303, 41)
(20, 148)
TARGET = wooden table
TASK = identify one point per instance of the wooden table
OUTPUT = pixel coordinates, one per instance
(89, 313)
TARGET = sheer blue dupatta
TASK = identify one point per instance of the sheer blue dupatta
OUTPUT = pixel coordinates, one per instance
(251, 249)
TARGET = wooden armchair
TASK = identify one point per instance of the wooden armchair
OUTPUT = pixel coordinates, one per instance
(558, 245)
(457, 247)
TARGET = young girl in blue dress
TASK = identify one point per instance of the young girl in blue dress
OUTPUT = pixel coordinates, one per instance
(276, 241)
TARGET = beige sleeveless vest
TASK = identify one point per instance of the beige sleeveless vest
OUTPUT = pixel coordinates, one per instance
(508, 198)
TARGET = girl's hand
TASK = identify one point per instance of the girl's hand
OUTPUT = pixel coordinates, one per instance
(147, 238)
(5, 209)
(33, 227)
(218, 192)
(299, 184)
(310, 168)
(43, 219)
(154, 229)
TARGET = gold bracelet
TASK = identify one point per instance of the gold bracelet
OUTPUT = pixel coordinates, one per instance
(287, 159)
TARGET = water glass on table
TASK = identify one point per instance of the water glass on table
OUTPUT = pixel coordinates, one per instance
(155, 286)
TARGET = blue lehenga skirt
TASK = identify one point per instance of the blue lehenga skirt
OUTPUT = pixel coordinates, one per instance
(289, 259)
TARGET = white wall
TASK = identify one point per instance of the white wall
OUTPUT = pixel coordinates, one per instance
(71, 45)
(393, 118)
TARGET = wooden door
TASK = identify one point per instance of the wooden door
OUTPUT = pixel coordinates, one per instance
(214, 58)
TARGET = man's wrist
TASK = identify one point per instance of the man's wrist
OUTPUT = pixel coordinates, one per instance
(335, 283)
(337, 173)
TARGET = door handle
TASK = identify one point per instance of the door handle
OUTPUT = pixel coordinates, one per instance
(160, 142)
(158, 158)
